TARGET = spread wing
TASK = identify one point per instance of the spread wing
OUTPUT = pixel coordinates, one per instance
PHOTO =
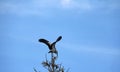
(45, 42)
(59, 38)
(54, 43)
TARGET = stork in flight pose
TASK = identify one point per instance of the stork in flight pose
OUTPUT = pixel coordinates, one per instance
(51, 46)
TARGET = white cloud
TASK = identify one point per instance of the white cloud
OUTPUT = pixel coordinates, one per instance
(35, 7)
(46, 7)
(72, 4)
(92, 50)
(67, 3)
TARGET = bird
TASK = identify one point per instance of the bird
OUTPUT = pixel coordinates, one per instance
(51, 46)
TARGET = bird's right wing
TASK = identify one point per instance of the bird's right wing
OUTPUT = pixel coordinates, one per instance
(59, 38)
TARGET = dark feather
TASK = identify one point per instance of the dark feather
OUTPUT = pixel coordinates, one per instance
(45, 42)
(51, 46)
(59, 38)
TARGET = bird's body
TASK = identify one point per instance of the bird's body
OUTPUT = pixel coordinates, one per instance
(51, 46)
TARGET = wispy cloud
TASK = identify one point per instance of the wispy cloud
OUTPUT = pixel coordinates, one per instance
(44, 7)
(72, 4)
(91, 49)
(20, 8)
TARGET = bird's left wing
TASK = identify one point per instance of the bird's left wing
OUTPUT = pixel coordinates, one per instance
(45, 42)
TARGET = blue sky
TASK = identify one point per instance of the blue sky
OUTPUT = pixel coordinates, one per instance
(90, 30)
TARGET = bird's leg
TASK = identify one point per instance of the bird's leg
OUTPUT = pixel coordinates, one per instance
(52, 61)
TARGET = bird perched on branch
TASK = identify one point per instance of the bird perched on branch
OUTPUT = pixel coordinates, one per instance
(51, 46)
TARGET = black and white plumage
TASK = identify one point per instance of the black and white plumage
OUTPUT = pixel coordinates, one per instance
(51, 46)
